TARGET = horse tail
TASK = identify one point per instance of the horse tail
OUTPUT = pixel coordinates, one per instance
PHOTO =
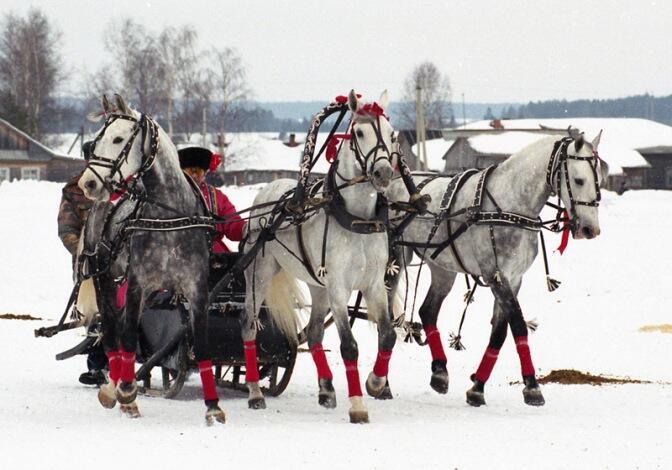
(283, 299)
(87, 303)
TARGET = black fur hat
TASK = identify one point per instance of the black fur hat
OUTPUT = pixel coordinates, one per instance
(198, 157)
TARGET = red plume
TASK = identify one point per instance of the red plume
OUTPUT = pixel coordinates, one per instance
(215, 161)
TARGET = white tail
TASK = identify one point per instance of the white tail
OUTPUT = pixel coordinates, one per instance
(86, 301)
(283, 299)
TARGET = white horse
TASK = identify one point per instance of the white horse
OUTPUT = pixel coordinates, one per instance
(334, 261)
(500, 250)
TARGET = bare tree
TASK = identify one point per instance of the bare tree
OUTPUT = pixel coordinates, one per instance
(436, 97)
(138, 66)
(229, 85)
(29, 70)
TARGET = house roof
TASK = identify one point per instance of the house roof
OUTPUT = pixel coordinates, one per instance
(7, 154)
(622, 144)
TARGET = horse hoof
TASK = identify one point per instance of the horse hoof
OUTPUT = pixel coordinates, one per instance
(358, 413)
(386, 394)
(130, 409)
(359, 417)
(256, 403)
(375, 385)
(439, 382)
(476, 394)
(127, 392)
(326, 397)
(215, 414)
(107, 395)
(533, 396)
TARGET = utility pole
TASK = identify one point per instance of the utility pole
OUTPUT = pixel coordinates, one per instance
(205, 127)
(420, 129)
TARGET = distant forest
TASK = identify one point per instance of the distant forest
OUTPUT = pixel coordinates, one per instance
(640, 106)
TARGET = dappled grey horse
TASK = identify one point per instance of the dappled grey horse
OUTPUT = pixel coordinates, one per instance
(167, 241)
(485, 223)
(336, 252)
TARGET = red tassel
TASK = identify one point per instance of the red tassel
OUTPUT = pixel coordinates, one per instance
(352, 374)
(487, 364)
(207, 380)
(114, 366)
(434, 341)
(565, 233)
(524, 355)
(251, 371)
(332, 146)
(320, 359)
(381, 367)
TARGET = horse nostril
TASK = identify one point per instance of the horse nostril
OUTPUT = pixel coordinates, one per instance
(90, 185)
(587, 232)
(376, 173)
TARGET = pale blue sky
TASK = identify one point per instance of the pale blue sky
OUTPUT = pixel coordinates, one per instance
(492, 50)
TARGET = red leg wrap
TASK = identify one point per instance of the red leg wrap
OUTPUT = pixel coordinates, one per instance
(207, 380)
(121, 294)
(382, 363)
(320, 359)
(487, 364)
(352, 374)
(251, 371)
(127, 366)
(114, 365)
(434, 341)
(523, 349)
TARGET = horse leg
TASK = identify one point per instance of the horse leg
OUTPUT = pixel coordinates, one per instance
(198, 302)
(377, 305)
(476, 394)
(442, 283)
(127, 388)
(315, 333)
(338, 299)
(257, 278)
(109, 312)
(507, 297)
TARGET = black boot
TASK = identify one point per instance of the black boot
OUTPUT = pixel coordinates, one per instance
(92, 377)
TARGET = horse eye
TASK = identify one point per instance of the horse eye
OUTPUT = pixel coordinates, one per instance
(579, 181)
(118, 140)
(359, 133)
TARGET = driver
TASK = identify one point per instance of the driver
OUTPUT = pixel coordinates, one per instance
(196, 162)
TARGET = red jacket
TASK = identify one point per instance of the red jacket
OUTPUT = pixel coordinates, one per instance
(220, 205)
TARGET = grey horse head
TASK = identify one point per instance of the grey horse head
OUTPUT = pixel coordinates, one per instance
(109, 142)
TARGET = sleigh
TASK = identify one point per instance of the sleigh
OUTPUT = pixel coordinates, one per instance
(165, 340)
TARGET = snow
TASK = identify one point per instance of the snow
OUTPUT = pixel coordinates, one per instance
(611, 287)
(436, 149)
(621, 141)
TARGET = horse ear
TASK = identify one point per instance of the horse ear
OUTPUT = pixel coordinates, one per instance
(383, 101)
(121, 105)
(353, 102)
(578, 142)
(596, 140)
(105, 103)
(604, 173)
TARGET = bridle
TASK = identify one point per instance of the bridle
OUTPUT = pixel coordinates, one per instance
(363, 158)
(144, 126)
(558, 166)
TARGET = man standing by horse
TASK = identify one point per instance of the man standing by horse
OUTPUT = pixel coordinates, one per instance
(72, 214)
(197, 162)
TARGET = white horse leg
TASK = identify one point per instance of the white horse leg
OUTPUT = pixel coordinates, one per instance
(442, 283)
(338, 299)
(377, 305)
(315, 333)
(258, 276)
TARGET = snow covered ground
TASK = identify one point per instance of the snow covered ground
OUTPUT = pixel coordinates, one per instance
(611, 287)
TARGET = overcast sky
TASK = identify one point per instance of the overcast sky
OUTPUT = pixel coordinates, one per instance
(492, 50)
